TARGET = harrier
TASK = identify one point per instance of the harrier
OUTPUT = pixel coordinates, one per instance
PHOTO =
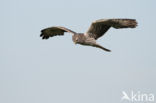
(97, 29)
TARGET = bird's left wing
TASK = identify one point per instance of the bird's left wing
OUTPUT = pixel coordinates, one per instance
(99, 27)
(54, 31)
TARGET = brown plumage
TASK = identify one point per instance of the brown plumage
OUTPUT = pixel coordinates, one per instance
(95, 31)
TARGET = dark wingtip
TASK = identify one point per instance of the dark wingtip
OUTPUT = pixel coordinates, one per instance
(43, 36)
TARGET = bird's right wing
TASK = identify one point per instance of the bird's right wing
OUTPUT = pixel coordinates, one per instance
(54, 31)
(99, 27)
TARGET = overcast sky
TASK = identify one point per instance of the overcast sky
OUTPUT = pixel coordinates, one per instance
(56, 70)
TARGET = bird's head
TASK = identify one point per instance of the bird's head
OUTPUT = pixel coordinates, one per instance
(76, 38)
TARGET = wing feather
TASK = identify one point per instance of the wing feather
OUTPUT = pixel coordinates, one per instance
(54, 31)
(100, 27)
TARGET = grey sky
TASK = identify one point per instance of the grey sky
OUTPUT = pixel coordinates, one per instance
(58, 71)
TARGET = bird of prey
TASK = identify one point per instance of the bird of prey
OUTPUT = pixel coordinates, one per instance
(97, 29)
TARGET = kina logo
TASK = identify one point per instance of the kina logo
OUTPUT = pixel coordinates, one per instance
(137, 96)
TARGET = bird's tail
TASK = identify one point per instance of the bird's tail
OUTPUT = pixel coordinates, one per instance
(101, 47)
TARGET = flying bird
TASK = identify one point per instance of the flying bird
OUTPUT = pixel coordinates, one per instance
(97, 29)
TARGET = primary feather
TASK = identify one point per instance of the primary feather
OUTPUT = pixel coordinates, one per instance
(54, 31)
(100, 27)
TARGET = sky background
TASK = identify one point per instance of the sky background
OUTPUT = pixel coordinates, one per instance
(56, 70)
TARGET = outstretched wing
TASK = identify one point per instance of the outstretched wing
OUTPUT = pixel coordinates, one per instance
(54, 31)
(99, 27)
